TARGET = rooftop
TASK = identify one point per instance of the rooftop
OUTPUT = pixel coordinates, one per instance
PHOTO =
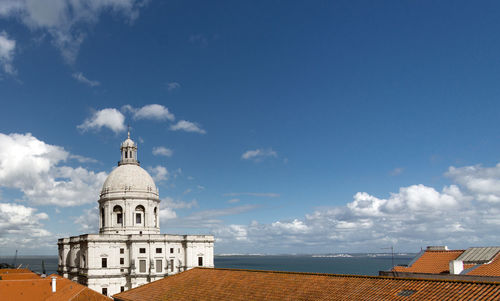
(232, 284)
(432, 262)
(22, 284)
(478, 261)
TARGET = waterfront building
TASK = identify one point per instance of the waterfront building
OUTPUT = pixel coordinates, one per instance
(129, 250)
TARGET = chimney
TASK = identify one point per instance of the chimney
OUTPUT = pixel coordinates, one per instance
(53, 284)
(456, 267)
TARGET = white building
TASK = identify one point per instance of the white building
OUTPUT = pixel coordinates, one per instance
(129, 250)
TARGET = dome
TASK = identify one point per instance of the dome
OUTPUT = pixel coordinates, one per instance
(130, 177)
(128, 143)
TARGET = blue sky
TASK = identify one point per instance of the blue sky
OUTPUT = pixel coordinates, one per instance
(277, 126)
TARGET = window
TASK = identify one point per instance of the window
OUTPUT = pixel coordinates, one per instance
(171, 265)
(171, 250)
(104, 262)
(105, 291)
(156, 217)
(158, 250)
(139, 213)
(122, 251)
(102, 218)
(142, 250)
(142, 266)
(117, 210)
(200, 261)
(159, 265)
(178, 250)
(122, 260)
(122, 288)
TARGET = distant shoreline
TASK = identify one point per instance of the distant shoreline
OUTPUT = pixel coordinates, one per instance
(326, 255)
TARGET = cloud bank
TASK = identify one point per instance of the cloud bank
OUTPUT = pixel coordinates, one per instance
(465, 213)
(35, 168)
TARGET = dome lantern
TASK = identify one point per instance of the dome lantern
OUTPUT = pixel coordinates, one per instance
(129, 151)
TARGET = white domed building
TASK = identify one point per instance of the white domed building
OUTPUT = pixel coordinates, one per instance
(129, 250)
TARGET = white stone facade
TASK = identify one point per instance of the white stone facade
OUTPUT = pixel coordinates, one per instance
(129, 250)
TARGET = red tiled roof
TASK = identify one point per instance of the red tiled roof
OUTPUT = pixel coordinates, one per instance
(15, 271)
(20, 285)
(16, 274)
(230, 284)
(431, 262)
(487, 269)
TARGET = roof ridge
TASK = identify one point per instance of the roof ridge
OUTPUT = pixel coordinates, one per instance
(78, 293)
(348, 275)
(26, 279)
(444, 251)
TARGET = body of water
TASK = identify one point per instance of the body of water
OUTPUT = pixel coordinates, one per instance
(358, 264)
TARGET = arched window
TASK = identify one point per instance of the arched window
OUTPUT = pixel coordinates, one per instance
(118, 212)
(139, 215)
(102, 218)
(156, 217)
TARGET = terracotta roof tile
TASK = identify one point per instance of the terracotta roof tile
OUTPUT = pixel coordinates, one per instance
(230, 284)
(14, 271)
(432, 262)
(488, 269)
(26, 285)
(16, 274)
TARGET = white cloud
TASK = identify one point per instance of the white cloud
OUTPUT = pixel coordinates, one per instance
(15, 218)
(187, 126)
(396, 171)
(159, 173)
(177, 204)
(232, 201)
(162, 151)
(82, 159)
(81, 78)
(167, 214)
(67, 21)
(258, 155)
(256, 194)
(482, 182)
(172, 86)
(7, 48)
(110, 118)
(462, 214)
(89, 221)
(34, 167)
(152, 112)
(209, 219)
(167, 206)
(22, 227)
